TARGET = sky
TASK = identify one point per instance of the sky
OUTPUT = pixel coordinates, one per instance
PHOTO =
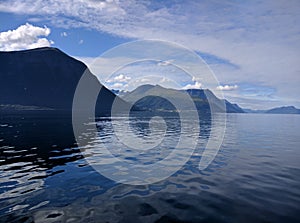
(252, 47)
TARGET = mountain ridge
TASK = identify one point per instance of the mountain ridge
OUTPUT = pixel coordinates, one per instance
(202, 98)
(46, 78)
(276, 110)
(231, 107)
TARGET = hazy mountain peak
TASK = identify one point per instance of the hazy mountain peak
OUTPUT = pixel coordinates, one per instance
(150, 100)
(284, 110)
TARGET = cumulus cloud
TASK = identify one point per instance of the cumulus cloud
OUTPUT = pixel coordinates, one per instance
(120, 78)
(25, 37)
(227, 87)
(260, 38)
(196, 85)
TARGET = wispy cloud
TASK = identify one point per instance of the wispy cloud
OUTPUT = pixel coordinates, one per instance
(24, 37)
(256, 42)
(64, 34)
(196, 85)
(165, 63)
(227, 87)
(117, 86)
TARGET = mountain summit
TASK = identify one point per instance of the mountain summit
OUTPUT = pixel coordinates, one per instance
(46, 78)
(201, 98)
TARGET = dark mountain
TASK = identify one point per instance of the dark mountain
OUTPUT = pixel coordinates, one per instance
(284, 110)
(200, 97)
(46, 79)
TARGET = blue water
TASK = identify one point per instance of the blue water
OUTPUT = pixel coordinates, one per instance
(254, 178)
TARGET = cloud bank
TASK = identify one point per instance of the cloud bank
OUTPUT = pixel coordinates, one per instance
(24, 37)
(257, 41)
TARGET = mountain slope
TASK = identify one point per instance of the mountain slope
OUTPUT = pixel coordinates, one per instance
(200, 97)
(277, 110)
(283, 110)
(46, 77)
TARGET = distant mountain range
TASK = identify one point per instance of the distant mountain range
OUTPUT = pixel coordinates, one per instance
(279, 110)
(200, 97)
(45, 79)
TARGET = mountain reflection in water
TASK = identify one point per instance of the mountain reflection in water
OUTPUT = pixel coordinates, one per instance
(254, 178)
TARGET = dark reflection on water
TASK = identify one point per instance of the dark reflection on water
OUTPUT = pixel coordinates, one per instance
(254, 178)
(37, 139)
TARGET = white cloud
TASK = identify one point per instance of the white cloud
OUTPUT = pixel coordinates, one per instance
(117, 86)
(64, 34)
(80, 41)
(196, 85)
(120, 81)
(144, 80)
(227, 87)
(25, 37)
(261, 38)
(120, 78)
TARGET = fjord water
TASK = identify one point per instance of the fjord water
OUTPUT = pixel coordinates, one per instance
(254, 178)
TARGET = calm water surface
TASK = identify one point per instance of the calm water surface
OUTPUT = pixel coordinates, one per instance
(255, 177)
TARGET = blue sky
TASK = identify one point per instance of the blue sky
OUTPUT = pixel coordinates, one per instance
(253, 47)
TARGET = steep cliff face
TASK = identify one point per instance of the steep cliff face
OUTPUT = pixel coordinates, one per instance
(46, 78)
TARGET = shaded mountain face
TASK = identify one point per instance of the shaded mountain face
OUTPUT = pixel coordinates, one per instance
(46, 79)
(200, 97)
